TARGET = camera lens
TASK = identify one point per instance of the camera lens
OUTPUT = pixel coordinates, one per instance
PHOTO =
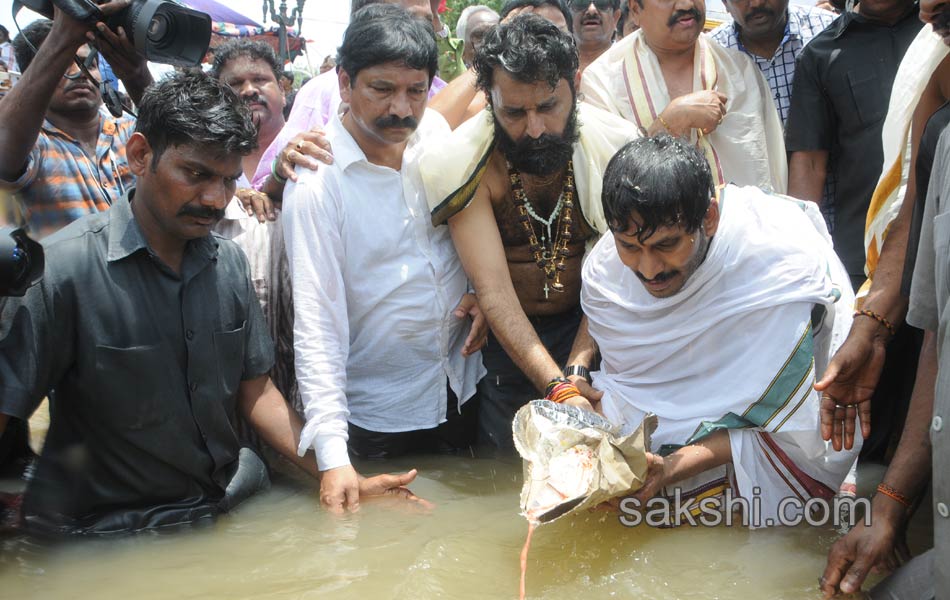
(158, 28)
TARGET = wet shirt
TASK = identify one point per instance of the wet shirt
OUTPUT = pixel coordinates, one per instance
(930, 310)
(842, 87)
(62, 182)
(142, 367)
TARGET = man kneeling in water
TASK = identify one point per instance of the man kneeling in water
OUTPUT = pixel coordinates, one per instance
(713, 311)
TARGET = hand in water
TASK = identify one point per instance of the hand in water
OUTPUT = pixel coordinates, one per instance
(340, 489)
(879, 547)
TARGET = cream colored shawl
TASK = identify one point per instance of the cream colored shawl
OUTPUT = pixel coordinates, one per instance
(747, 148)
(921, 60)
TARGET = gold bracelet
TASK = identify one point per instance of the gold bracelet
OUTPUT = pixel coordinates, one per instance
(879, 318)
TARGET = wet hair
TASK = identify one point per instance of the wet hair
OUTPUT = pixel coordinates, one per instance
(461, 28)
(529, 48)
(355, 5)
(665, 180)
(239, 48)
(383, 33)
(191, 108)
(35, 33)
(561, 5)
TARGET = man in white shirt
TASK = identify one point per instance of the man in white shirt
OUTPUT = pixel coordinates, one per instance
(382, 334)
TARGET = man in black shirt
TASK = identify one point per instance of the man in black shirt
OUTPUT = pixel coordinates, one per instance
(842, 87)
(148, 338)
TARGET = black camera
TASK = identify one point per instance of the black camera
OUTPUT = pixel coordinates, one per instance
(21, 262)
(162, 31)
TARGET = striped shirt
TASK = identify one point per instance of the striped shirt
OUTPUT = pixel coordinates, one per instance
(62, 183)
(803, 23)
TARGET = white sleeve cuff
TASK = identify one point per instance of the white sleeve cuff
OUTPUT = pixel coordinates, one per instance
(331, 452)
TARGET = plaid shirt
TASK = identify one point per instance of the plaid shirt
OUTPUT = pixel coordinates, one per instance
(62, 183)
(802, 25)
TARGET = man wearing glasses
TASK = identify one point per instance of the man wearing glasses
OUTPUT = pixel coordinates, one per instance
(62, 155)
(594, 24)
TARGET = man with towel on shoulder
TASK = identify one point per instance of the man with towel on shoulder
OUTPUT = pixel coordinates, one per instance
(713, 309)
(519, 185)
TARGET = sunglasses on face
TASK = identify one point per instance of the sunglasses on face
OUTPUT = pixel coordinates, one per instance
(601, 5)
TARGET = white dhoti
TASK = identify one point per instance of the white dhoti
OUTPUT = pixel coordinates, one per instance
(736, 349)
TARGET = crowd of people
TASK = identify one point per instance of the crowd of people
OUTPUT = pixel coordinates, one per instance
(741, 232)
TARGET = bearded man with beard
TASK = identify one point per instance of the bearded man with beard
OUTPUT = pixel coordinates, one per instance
(519, 186)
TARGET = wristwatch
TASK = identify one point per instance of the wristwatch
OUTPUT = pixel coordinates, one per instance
(579, 371)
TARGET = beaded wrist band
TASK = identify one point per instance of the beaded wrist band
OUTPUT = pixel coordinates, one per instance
(879, 318)
(273, 172)
(893, 494)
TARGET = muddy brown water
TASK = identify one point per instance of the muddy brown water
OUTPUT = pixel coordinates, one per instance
(280, 544)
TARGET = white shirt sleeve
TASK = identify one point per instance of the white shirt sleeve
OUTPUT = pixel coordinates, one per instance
(312, 216)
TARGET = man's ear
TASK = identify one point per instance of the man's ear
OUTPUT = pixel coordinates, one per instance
(346, 86)
(635, 9)
(138, 153)
(711, 220)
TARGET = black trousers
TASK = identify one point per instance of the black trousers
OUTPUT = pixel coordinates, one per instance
(455, 436)
(505, 389)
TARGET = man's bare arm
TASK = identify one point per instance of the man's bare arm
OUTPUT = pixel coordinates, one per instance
(807, 171)
(265, 409)
(457, 101)
(262, 404)
(855, 369)
(23, 108)
(480, 248)
(853, 556)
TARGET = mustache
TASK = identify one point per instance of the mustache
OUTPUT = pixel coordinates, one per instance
(201, 212)
(543, 155)
(676, 16)
(659, 278)
(762, 10)
(81, 82)
(394, 122)
(256, 98)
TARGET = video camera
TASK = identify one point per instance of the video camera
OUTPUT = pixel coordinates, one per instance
(162, 31)
(21, 262)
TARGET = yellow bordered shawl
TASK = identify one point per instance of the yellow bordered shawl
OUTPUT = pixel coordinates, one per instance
(452, 168)
(921, 60)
